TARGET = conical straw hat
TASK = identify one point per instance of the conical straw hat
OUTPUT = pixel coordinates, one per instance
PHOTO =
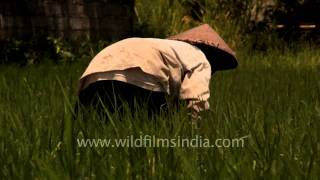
(217, 51)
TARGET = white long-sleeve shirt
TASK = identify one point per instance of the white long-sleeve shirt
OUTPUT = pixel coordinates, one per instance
(175, 67)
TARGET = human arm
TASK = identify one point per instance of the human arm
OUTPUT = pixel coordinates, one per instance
(195, 88)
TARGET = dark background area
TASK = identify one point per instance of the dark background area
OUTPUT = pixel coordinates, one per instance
(70, 19)
(34, 30)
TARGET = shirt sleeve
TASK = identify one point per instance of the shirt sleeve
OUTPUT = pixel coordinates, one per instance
(195, 86)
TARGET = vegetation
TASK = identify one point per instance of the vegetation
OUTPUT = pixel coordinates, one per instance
(273, 97)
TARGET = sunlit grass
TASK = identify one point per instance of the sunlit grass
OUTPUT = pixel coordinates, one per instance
(274, 98)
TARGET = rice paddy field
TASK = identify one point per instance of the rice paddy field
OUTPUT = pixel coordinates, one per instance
(271, 102)
(272, 99)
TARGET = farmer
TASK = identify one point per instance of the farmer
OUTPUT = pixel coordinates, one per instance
(157, 72)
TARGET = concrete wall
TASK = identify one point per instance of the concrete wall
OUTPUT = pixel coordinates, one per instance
(105, 19)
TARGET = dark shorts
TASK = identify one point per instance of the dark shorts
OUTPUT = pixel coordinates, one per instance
(116, 95)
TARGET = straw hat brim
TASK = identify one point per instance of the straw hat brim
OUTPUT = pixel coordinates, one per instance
(220, 55)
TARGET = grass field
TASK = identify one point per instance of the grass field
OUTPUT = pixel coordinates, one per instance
(273, 98)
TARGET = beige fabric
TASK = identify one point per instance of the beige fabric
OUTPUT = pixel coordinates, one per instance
(132, 76)
(170, 66)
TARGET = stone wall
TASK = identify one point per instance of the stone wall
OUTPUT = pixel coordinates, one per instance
(105, 19)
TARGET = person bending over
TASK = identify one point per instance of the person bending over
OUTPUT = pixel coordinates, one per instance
(157, 72)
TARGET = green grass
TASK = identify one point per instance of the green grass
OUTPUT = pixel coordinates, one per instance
(273, 97)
